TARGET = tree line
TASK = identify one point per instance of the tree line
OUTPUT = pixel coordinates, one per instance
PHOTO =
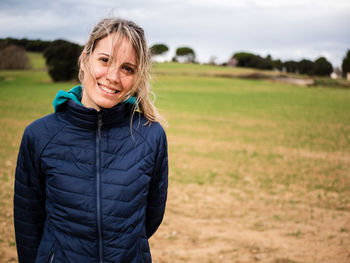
(35, 45)
(320, 67)
(61, 58)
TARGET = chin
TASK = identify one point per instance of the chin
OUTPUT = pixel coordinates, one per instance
(107, 104)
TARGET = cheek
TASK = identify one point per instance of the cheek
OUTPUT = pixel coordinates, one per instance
(96, 71)
(99, 72)
(128, 83)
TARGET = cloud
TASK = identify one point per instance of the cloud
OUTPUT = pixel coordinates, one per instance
(285, 29)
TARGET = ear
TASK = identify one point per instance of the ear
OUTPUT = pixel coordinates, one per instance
(82, 65)
(82, 60)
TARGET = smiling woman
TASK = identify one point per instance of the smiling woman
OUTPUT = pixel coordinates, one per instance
(91, 178)
(110, 71)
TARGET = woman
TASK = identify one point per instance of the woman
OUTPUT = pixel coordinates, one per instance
(91, 178)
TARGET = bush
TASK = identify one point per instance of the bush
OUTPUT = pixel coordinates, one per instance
(306, 66)
(322, 67)
(158, 49)
(250, 60)
(62, 60)
(277, 64)
(291, 66)
(245, 59)
(186, 54)
(14, 57)
(29, 45)
(346, 64)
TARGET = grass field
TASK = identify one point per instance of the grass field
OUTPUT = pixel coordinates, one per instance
(259, 171)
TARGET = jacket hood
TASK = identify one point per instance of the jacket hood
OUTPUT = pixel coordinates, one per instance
(75, 94)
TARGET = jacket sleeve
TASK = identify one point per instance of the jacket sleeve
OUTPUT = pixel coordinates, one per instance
(158, 188)
(29, 210)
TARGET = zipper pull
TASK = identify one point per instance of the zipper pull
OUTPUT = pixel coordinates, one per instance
(99, 121)
(99, 124)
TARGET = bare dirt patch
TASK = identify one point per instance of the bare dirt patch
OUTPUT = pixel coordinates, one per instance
(222, 224)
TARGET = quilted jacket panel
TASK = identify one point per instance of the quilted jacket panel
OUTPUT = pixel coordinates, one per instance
(89, 193)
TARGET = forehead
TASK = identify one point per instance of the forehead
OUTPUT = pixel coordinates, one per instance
(116, 46)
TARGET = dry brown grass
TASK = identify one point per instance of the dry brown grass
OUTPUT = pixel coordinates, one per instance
(244, 186)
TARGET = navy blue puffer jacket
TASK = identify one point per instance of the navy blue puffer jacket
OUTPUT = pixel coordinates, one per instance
(89, 187)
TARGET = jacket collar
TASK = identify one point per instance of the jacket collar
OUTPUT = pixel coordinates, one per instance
(88, 117)
(69, 102)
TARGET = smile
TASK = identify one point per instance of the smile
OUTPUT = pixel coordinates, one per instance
(110, 91)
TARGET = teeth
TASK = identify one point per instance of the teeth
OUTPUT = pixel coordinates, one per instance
(107, 90)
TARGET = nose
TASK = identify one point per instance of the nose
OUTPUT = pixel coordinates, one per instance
(113, 74)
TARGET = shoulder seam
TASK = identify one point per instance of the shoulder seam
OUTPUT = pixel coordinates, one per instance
(148, 143)
(144, 139)
(47, 143)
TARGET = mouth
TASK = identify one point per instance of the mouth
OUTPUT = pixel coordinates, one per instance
(107, 89)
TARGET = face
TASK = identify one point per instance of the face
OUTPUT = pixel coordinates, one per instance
(111, 75)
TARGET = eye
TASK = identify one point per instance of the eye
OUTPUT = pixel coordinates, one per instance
(104, 59)
(128, 69)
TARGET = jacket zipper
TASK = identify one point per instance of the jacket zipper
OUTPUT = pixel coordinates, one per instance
(98, 187)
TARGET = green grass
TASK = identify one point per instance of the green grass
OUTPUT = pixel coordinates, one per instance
(24, 97)
(195, 69)
(255, 138)
(276, 133)
(37, 61)
(284, 115)
(221, 130)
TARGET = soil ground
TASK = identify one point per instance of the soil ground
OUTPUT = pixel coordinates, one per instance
(259, 172)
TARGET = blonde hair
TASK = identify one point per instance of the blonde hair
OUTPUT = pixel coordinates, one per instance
(136, 36)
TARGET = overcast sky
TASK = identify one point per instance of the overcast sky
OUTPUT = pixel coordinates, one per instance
(286, 29)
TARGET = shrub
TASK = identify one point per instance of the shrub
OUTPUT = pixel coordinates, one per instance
(158, 49)
(306, 66)
(291, 66)
(62, 60)
(14, 57)
(36, 45)
(322, 67)
(346, 64)
(185, 54)
(250, 60)
(277, 64)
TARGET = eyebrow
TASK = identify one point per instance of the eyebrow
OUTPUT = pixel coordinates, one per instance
(108, 55)
(131, 64)
(102, 53)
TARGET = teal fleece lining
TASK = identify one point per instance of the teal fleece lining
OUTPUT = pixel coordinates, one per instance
(75, 95)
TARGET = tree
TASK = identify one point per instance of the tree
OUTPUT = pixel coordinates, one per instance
(250, 60)
(291, 66)
(277, 64)
(62, 60)
(14, 57)
(322, 67)
(245, 59)
(158, 49)
(306, 66)
(185, 54)
(264, 63)
(346, 64)
(37, 45)
(29, 45)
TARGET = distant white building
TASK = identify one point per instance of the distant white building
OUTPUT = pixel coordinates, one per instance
(336, 74)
